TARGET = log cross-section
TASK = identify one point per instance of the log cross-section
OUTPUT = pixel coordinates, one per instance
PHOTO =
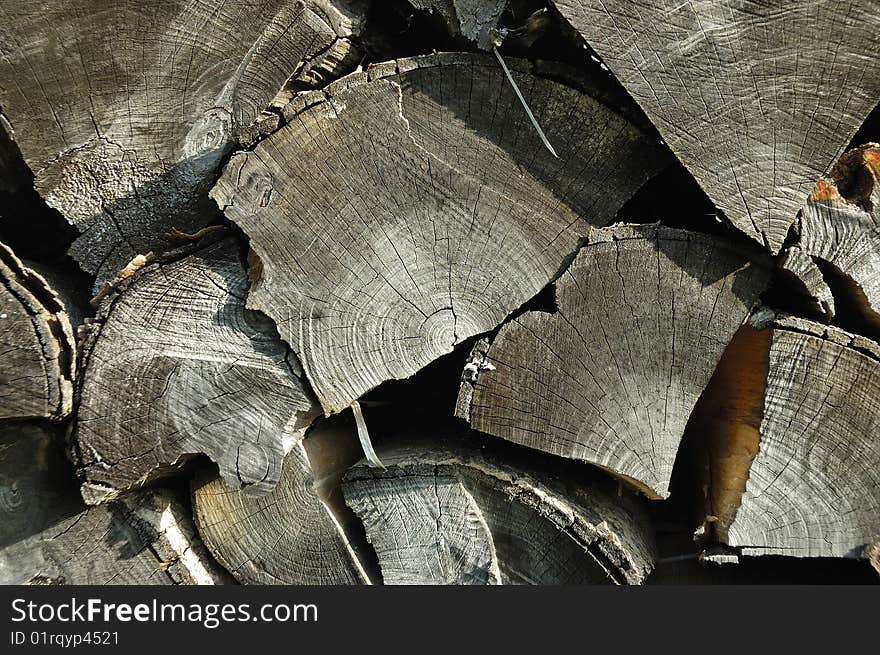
(811, 489)
(416, 207)
(176, 366)
(124, 109)
(463, 512)
(756, 98)
(48, 536)
(610, 377)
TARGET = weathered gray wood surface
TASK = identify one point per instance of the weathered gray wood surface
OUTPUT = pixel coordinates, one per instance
(291, 535)
(812, 487)
(840, 225)
(36, 345)
(176, 366)
(643, 315)
(455, 513)
(124, 109)
(805, 276)
(757, 99)
(407, 212)
(47, 535)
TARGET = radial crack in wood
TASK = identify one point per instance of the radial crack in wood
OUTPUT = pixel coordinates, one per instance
(416, 207)
(840, 226)
(812, 488)
(124, 110)
(295, 534)
(36, 345)
(176, 366)
(47, 535)
(443, 513)
(644, 314)
(744, 92)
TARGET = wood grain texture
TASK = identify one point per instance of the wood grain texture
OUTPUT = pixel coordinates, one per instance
(756, 98)
(290, 536)
(840, 226)
(813, 489)
(416, 207)
(643, 316)
(36, 345)
(47, 535)
(124, 110)
(176, 366)
(444, 513)
(802, 274)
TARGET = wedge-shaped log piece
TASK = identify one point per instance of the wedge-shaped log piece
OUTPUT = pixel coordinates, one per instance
(295, 534)
(36, 345)
(644, 314)
(840, 226)
(176, 366)
(417, 208)
(757, 99)
(468, 512)
(47, 535)
(813, 486)
(124, 109)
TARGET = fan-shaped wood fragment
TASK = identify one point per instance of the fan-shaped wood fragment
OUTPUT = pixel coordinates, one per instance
(47, 535)
(176, 366)
(36, 345)
(292, 535)
(757, 99)
(644, 314)
(840, 226)
(124, 109)
(465, 514)
(418, 207)
(812, 489)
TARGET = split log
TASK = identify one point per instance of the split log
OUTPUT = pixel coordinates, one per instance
(444, 513)
(176, 366)
(840, 227)
(744, 92)
(643, 316)
(124, 111)
(415, 207)
(47, 535)
(36, 345)
(295, 534)
(794, 468)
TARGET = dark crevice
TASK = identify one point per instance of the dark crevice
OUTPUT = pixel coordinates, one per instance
(852, 312)
(869, 132)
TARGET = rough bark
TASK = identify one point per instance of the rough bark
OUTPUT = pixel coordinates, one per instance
(643, 315)
(840, 227)
(461, 513)
(292, 535)
(36, 345)
(757, 99)
(415, 207)
(470, 19)
(811, 489)
(124, 110)
(176, 366)
(47, 535)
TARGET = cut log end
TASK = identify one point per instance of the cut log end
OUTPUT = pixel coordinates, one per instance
(643, 315)
(455, 514)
